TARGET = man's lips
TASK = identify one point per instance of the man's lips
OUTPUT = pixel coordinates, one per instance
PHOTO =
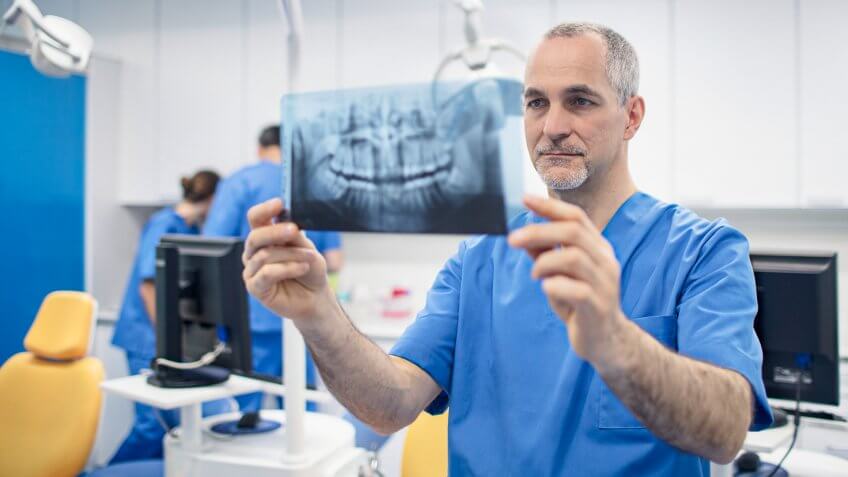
(559, 154)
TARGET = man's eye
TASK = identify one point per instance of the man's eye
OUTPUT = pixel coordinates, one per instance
(582, 102)
(536, 103)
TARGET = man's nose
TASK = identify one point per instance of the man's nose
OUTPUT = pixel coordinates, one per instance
(558, 123)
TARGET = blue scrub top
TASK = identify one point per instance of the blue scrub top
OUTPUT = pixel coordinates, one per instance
(227, 217)
(523, 403)
(134, 331)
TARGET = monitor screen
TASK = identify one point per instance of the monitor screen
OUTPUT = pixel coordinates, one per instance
(201, 299)
(797, 325)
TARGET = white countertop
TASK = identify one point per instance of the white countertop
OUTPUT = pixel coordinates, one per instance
(136, 388)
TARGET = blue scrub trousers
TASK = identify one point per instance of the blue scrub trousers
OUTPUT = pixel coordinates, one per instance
(145, 438)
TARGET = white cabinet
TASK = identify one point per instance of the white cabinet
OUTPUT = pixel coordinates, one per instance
(263, 72)
(824, 76)
(743, 99)
(387, 42)
(264, 62)
(320, 65)
(127, 31)
(201, 89)
(735, 110)
(647, 26)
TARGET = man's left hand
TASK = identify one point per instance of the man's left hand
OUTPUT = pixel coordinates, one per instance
(579, 272)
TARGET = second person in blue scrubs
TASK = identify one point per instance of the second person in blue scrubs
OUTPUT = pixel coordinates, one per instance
(609, 334)
(135, 332)
(236, 194)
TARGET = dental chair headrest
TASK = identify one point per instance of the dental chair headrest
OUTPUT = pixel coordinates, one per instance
(62, 329)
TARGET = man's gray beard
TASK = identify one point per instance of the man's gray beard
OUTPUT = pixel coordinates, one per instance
(571, 181)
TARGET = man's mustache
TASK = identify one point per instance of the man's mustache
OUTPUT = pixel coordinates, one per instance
(560, 149)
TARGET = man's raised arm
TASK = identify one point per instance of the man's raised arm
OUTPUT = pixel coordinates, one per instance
(288, 275)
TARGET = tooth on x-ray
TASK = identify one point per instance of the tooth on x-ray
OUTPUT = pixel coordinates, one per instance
(419, 158)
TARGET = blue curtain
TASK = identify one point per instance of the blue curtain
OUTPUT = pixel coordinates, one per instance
(42, 190)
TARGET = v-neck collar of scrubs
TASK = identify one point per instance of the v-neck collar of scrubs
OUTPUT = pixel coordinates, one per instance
(628, 215)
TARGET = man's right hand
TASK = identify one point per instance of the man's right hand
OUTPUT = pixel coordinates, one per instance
(282, 268)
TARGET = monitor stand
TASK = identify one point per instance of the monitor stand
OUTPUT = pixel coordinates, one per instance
(249, 423)
(165, 377)
(780, 417)
(749, 465)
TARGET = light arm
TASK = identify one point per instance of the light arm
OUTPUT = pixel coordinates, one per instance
(147, 290)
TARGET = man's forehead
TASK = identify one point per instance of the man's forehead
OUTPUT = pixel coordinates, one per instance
(579, 59)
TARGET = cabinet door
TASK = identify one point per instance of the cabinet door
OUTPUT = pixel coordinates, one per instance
(128, 31)
(265, 61)
(200, 89)
(388, 42)
(647, 26)
(735, 103)
(824, 76)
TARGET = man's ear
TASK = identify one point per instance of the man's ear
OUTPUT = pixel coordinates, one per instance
(635, 107)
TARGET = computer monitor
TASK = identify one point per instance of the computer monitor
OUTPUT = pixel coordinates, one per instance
(797, 325)
(201, 301)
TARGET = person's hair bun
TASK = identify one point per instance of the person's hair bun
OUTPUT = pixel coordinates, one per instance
(201, 186)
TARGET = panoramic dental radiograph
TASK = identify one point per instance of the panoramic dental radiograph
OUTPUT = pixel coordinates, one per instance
(420, 158)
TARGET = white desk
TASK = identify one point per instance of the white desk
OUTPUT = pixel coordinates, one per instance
(189, 400)
(331, 450)
(769, 439)
(804, 463)
(135, 388)
(771, 445)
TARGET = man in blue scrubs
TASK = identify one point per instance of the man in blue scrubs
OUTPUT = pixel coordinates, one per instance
(609, 334)
(134, 331)
(236, 194)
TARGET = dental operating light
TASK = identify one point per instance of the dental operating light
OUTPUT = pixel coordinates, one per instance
(476, 55)
(58, 47)
(477, 52)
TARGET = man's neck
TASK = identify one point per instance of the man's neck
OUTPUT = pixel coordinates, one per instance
(601, 195)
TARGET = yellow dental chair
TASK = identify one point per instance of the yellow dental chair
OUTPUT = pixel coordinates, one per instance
(50, 394)
(425, 450)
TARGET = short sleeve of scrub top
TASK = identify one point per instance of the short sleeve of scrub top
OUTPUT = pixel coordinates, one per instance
(325, 241)
(716, 311)
(429, 342)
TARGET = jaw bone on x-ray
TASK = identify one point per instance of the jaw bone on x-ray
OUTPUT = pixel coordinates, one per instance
(388, 160)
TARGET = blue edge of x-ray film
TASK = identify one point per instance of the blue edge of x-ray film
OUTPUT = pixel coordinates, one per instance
(512, 148)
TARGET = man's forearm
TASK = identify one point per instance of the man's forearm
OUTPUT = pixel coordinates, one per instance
(358, 373)
(692, 405)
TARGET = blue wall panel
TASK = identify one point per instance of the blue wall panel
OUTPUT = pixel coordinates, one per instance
(42, 190)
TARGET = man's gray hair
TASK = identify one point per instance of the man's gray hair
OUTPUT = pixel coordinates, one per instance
(621, 61)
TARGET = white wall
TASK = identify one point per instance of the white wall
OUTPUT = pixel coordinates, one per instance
(738, 93)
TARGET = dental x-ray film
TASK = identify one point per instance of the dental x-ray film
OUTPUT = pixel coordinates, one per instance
(442, 157)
